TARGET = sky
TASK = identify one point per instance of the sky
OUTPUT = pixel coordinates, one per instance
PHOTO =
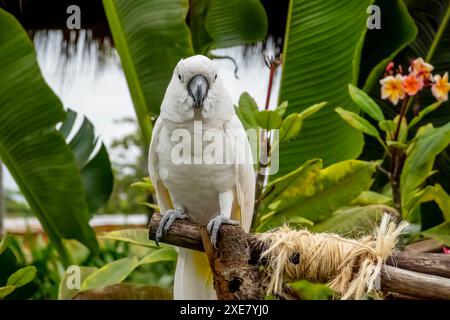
(103, 95)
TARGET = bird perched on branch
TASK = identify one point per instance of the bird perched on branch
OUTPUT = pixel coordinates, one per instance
(201, 166)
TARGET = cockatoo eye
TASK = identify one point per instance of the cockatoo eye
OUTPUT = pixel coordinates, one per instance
(179, 76)
(215, 76)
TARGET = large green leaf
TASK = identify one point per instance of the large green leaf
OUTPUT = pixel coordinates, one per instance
(164, 254)
(132, 236)
(236, 22)
(353, 221)
(314, 193)
(71, 281)
(201, 39)
(382, 45)
(94, 165)
(321, 57)
(32, 149)
(111, 273)
(150, 37)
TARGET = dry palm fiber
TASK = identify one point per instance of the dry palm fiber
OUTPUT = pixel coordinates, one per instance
(350, 267)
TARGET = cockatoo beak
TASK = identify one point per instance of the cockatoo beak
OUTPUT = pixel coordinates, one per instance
(198, 89)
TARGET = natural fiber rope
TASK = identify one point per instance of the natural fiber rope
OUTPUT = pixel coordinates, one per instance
(349, 267)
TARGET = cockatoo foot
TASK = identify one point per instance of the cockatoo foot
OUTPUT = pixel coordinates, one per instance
(215, 223)
(166, 221)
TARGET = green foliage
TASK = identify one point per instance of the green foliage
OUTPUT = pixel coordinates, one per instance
(67, 292)
(313, 192)
(440, 232)
(268, 119)
(353, 221)
(18, 279)
(235, 22)
(111, 273)
(33, 151)
(246, 111)
(381, 46)
(311, 291)
(321, 56)
(365, 103)
(148, 68)
(114, 272)
(289, 126)
(421, 156)
(95, 168)
(132, 236)
(359, 123)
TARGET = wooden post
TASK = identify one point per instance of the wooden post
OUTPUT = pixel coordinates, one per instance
(234, 263)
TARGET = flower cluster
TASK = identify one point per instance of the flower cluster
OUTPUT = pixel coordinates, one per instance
(396, 86)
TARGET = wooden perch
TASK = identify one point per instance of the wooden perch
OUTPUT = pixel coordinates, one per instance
(236, 274)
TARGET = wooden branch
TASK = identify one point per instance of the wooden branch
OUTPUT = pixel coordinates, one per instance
(234, 277)
(239, 251)
(410, 283)
(437, 264)
(423, 246)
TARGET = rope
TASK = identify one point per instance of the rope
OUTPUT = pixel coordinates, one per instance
(349, 267)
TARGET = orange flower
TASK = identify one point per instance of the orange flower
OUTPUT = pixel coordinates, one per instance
(412, 84)
(421, 68)
(392, 88)
(441, 87)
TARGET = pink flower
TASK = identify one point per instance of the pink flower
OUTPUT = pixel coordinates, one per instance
(392, 88)
(421, 68)
(412, 84)
(440, 87)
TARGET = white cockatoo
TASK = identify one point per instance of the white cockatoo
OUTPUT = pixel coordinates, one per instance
(201, 166)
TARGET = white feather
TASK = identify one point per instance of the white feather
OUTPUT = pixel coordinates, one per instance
(196, 187)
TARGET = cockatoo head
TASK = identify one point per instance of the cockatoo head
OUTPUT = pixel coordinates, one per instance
(196, 89)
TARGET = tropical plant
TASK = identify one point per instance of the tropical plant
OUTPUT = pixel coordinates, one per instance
(411, 160)
(61, 182)
(120, 278)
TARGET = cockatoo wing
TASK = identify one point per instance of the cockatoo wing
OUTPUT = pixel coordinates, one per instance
(244, 173)
(162, 194)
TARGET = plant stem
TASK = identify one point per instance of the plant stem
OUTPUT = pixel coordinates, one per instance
(264, 143)
(397, 160)
(269, 87)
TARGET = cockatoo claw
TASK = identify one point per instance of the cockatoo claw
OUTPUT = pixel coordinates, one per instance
(215, 223)
(166, 221)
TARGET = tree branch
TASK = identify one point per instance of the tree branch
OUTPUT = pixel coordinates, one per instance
(235, 263)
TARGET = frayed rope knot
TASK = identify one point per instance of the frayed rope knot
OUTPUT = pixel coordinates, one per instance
(349, 267)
